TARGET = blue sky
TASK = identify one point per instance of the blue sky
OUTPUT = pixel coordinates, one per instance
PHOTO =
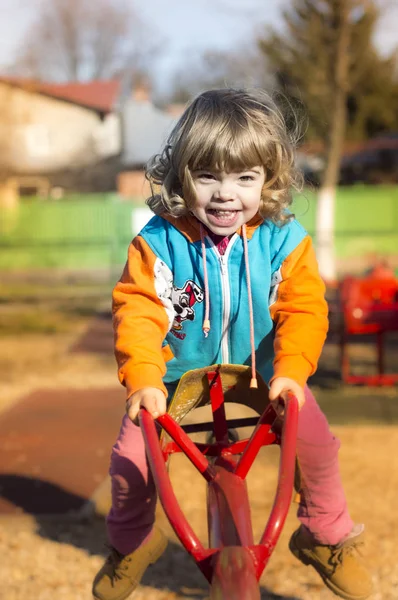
(187, 26)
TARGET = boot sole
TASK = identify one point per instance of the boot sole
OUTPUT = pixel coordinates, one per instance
(299, 554)
(155, 555)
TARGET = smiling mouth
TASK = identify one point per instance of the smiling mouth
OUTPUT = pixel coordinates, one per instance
(221, 212)
(223, 218)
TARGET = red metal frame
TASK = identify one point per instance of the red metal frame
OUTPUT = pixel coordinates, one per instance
(369, 306)
(233, 562)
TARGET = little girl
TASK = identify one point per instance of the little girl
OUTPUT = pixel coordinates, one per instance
(224, 274)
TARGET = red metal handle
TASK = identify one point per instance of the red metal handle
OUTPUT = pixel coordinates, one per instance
(165, 490)
(206, 559)
(287, 465)
(261, 435)
(189, 448)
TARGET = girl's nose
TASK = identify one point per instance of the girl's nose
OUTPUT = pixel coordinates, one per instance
(225, 192)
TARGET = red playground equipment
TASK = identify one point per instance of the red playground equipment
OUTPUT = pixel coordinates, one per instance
(233, 563)
(369, 306)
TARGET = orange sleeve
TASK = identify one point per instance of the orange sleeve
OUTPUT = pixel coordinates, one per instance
(300, 314)
(140, 322)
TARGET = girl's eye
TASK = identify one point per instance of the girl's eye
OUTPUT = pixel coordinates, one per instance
(206, 176)
(246, 178)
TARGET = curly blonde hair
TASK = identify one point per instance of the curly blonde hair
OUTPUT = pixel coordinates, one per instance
(227, 130)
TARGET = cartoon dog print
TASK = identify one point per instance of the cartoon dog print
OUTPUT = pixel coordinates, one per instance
(183, 300)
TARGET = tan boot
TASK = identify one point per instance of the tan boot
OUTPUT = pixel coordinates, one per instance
(121, 574)
(339, 566)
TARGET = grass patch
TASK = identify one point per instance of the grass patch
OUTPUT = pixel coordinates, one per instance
(54, 292)
(35, 322)
(50, 309)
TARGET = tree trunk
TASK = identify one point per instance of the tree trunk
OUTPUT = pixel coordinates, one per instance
(338, 118)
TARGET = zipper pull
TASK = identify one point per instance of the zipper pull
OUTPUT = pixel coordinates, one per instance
(223, 265)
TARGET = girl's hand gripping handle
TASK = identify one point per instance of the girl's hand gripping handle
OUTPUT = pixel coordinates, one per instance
(150, 398)
(280, 387)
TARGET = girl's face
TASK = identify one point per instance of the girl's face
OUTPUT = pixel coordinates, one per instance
(225, 201)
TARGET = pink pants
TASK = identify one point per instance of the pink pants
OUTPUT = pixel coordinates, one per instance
(323, 508)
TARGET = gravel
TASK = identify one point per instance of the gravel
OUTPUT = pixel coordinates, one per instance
(46, 557)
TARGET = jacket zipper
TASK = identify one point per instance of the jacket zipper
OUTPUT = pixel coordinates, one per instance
(226, 295)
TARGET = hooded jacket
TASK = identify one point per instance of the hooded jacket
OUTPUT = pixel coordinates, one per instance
(158, 303)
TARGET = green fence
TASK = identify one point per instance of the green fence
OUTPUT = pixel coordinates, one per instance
(75, 233)
(366, 220)
(93, 231)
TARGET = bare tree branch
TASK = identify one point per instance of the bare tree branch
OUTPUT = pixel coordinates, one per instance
(81, 40)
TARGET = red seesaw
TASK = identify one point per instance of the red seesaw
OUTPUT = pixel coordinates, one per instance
(233, 563)
(369, 307)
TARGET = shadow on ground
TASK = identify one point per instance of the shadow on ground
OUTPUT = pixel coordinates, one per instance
(175, 571)
(34, 496)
